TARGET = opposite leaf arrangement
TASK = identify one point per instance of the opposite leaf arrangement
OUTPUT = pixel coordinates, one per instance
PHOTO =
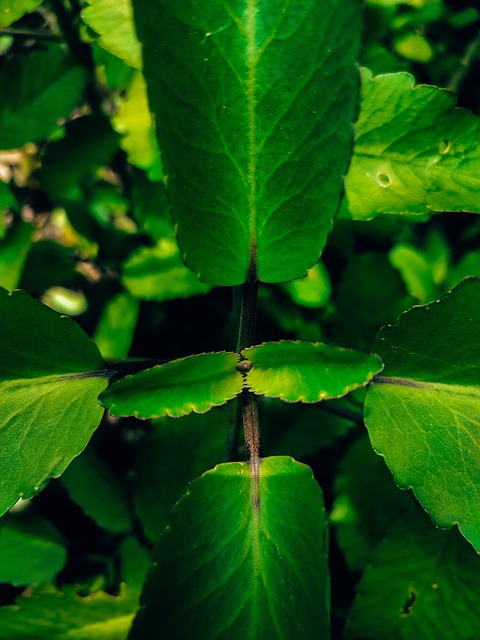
(253, 103)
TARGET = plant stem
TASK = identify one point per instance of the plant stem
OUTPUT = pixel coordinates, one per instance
(31, 35)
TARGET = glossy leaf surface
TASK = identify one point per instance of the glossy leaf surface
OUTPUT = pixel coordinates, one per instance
(308, 371)
(37, 90)
(242, 558)
(423, 412)
(421, 583)
(48, 394)
(414, 151)
(196, 383)
(113, 21)
(254, 102)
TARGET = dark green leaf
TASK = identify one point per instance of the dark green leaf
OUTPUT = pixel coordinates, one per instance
(243, 557)
(421, 583)
(253, 105)
(196, 383)
(423, 412)
(13, 254)
(308, 371)
(48, 406)
(37, 91)
(414, 151)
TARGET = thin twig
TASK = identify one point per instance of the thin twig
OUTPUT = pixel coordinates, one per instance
(464, 64)
(31, 35)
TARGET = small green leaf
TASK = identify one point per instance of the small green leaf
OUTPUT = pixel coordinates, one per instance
(243, 558)
(31, 551)
(158, 273)
(14, 250)
(196, 383)
(13, 10)
(115, 329)
(134, 123)
(313, 291)
(113, 21)
(420, 583)
(416, 271)
(96, 489)
(253, 104)
(7, 199)
(423, 412)
(67, 616)
(414, 151)
(49, 385)
(194, 444)
(308, 371)
(37, 91)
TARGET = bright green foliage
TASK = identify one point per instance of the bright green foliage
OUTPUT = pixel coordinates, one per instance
(254, 104)
(48, 406)
(194, 444)
(31, 551)
(134, 122)
(13, 253)
(113, 21)
(421, 583)
(196, 383)
(313, 291)
(414, 151)
(308, 371)
(114, 332)
(366, 503)
(13, 10)
(228, 562)
(158, 273)
(55, 615)
(95, 488)
(416, 271)
(423, 412)
(37, 91)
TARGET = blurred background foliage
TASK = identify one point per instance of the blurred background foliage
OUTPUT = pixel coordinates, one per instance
(85, 227)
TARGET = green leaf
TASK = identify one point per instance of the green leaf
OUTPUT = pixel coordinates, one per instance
(308, 371)
(50, 378)
(243, 557)
(115, 329)
(362, 511)
(113, 21)
(158, 273)
(14, 250)
(313, 291)
(254, 104)
(67, 616)
(423, 412)
(414, 151)
(95, 488)
(195, 383)
(416, 271)
(421, 583)
(31, 551)
(37, 91)
(7, 200)
(194, 444)
(134, 123)
(13, 10)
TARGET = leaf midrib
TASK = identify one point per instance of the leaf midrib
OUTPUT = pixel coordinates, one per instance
(439, 387)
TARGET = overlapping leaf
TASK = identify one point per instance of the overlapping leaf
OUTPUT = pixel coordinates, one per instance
(414, 151)
(254, 104)
(423, 412)
(243, 557)
(50, 377)
(308, 371)
(13, 10)
(196, 383)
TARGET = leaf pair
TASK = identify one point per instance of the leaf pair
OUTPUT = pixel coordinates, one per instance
(292, 371)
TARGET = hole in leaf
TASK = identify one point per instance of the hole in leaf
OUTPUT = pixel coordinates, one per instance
(444, 146)
(409, 602)
(384, 180)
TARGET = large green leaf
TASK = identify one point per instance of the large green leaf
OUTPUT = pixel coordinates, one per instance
(113, 21)
(423, 412)
(195, 383)
(421, 583)
(13, 10)
(50, 377)
(37, 91)
(308, 371)
(414, 151)
(243, 558)
(254, 101)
